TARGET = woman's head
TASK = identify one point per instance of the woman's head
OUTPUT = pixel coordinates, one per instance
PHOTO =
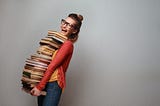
(71, 25)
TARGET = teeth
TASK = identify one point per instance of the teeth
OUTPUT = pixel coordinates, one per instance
(64, 30)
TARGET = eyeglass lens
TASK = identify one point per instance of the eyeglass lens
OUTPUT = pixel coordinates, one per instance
(64, 22)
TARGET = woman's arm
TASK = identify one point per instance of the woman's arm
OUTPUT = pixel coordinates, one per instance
(61, 55)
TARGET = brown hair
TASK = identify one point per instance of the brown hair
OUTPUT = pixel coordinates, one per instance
(78, 18)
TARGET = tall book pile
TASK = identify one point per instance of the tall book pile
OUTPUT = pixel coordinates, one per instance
(37, 64)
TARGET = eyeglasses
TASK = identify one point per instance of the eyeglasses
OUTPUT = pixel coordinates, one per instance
(64, 22)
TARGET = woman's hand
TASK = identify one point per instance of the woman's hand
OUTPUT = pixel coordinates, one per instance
(35, 92)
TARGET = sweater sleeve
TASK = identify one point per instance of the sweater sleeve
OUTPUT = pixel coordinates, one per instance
(61, 55)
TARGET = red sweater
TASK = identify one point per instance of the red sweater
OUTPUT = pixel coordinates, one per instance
(60, 61)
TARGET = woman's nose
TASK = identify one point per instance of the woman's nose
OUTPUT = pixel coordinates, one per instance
(64, 25)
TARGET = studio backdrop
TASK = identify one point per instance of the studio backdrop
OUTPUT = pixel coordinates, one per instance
(116, 60)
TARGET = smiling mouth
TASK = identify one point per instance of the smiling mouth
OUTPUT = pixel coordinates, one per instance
(64, 30)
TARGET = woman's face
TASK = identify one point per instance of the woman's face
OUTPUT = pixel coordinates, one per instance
(68, 26)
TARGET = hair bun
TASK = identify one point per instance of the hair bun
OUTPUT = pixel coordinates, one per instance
(80, 17)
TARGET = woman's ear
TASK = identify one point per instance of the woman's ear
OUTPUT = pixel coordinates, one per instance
(74, 31)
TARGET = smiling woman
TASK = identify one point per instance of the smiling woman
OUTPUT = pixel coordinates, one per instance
(53, 81)
(70, 26)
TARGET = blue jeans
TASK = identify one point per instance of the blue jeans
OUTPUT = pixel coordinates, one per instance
(53, 95)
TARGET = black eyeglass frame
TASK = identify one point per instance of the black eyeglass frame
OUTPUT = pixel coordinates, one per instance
(64, 22)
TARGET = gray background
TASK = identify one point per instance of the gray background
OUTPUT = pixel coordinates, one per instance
(116, 61)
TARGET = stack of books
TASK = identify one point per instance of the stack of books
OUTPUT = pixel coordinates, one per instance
(37, 64)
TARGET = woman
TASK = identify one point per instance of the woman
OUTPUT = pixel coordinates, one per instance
(53, 80)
